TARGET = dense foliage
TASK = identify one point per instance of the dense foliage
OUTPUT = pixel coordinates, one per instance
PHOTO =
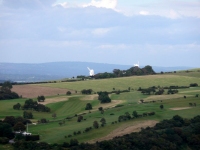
(147, 70)
(104, 97)
(6, 93)
(32, 105)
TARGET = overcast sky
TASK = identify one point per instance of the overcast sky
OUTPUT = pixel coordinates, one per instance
(153, 32)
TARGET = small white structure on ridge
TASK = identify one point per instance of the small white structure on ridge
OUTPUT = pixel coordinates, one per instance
(91, 71)
(137, 65)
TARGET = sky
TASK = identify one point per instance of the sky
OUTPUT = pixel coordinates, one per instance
(154, 32)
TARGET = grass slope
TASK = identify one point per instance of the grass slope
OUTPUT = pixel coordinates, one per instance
(54, 133)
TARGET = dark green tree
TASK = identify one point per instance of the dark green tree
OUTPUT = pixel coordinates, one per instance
(6, 130)
(17, 106)
(27, 115)
(88, 106)
(104, 97)
(41, 98)
(68, 93)
(19, 127)
(54, 115)
(135, 114)
(6, 86)
(96, 124)
(103, 121)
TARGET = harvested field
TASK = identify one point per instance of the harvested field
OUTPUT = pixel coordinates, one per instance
(90, 97)
(190, 91)
(127, 129)
(162, 97)
(180, 108)
(110, 105)
(33, 91)
(54, 100)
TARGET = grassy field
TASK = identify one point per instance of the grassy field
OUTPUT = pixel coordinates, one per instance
(52, 132)
(133, 82)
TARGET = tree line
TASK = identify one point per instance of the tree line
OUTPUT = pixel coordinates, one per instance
(147, 70)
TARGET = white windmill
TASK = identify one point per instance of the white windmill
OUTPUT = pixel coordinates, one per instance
(137, 65)
(91, 72)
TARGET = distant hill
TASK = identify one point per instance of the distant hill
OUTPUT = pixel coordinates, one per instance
(58, 70)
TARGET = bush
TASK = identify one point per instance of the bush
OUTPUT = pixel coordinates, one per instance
(68, 93)
(193, 84)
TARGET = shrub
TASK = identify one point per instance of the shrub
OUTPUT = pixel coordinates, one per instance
(193, 84)
(68, 93)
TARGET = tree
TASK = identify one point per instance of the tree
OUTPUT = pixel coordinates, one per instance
(19, 127)
(68, 93)
(41, 98)
(10, 120)
(5, 130)
(103, 97)
(43, 120)
(161, 106)
(6, 86)
(17, 106)
(128, 116)
(80, 118)
(103, 121)
(100, 108)
(73, 142)
(135, 114)
(28, 115)
(96, 124)
(88, 106)
(54, 115)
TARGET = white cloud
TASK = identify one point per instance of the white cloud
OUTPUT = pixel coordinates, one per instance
(103, 4)
(144, 13)
(173, 14)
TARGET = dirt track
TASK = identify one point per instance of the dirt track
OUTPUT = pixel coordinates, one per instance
(33, 91)
(180, 108)
(126, 129)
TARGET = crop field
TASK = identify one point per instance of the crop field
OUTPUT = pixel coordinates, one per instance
(68, 106)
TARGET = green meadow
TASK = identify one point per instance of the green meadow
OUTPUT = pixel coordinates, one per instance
(52, 132)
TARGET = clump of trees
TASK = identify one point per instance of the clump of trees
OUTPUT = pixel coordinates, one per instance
(41, 98)
(172, 91)
(193, 84)
(104, 97)
(6, 93)
(32, 105)
(88, 91)
(124, 73)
